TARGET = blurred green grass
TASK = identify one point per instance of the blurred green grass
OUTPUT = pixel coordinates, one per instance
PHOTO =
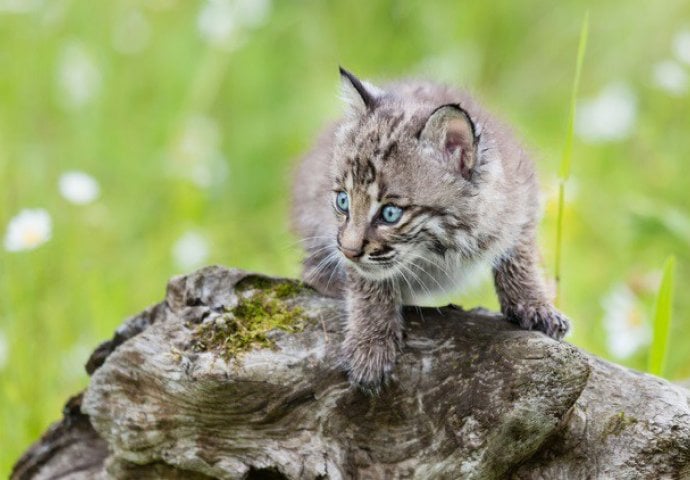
(263, 101)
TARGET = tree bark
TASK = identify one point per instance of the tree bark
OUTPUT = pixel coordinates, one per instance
(187, 389)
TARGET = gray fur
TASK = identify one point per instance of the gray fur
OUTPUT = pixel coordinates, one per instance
(469, 196)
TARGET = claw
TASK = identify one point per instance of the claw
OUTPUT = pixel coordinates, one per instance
(544, 318)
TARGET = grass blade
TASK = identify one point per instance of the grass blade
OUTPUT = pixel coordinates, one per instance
(662, 320)
(564, 170)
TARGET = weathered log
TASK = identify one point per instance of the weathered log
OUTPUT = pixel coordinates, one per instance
(195, 388)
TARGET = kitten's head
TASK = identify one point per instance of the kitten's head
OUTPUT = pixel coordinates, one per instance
(404, 179)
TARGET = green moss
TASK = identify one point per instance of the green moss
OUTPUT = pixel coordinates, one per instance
(618, 423)
(254, 282)
(281, 288)
(289, 289)
(261, 308)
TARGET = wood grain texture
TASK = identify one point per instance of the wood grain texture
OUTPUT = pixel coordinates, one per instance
(474, 397)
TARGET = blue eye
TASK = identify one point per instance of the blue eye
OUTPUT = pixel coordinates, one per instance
(391, 214)
(342, 201)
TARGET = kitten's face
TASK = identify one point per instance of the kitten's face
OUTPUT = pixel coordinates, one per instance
(374, 222)
(397, 196)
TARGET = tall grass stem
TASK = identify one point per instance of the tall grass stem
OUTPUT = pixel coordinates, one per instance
(662, 320)
(564, 170)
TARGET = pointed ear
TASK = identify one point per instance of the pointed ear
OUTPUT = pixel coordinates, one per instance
(361, 96)
(450, 129)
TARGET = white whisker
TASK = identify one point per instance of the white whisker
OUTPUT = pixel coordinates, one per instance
(409, 285)
(336, 268)
(323, 263)
(415, 277)
(432, 262)
(314, 252)
(441, 287)
(307, 239)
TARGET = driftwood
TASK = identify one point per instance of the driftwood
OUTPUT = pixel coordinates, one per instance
(183, 391)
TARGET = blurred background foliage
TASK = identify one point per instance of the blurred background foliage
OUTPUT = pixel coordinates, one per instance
(142, 139)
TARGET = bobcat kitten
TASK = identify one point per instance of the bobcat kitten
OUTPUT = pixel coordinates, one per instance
(401, 199)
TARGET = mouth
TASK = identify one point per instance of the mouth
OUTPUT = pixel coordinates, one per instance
(378, 269)
(383, 261)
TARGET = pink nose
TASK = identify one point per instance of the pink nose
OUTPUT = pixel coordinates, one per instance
(351, 253)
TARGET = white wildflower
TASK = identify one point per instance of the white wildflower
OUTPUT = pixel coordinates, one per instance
(28, 230)
(18, 6)
(78, 187)
(671, 77)
(252, 13)
(626, 325)
(608, 117)
(681, 46)
(197, 155)
(221, 22)
(204, 175)
(131, 33)
(191, 250)
(4, 350)
(217, 23)
(200, 137)
(78, 76)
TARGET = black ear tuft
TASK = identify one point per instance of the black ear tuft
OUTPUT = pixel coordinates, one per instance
(366, 93)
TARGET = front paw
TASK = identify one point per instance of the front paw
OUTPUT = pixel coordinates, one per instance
(542, 317)
(369, 364)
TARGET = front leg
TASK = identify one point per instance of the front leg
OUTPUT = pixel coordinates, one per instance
(373, 334)
(522, 294)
